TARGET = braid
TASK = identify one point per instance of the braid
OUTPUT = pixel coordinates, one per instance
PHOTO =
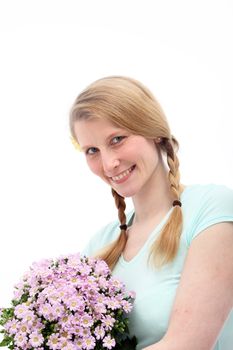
(165, 248)
(174, 174)
(120, 204)
(113, 251)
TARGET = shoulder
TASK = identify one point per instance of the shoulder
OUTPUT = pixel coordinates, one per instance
(214, 197)
(205, 205)
(104, 236)
(208, 191)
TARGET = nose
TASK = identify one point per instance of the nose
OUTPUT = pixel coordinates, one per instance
(109, 162)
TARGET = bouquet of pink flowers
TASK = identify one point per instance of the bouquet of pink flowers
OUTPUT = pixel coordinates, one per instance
(70, 303)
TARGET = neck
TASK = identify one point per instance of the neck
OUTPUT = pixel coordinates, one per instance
(155, 199)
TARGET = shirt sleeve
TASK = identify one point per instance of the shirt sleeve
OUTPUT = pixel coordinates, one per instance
(215, 206)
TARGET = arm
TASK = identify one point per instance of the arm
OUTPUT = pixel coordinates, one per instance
(205, 294)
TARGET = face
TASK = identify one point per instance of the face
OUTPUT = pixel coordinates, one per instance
(124, 161)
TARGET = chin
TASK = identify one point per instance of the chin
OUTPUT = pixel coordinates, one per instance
(126, 194)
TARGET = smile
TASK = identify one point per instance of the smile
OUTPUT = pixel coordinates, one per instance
(123, 175)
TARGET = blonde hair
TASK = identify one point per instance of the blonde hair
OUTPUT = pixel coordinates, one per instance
(130, 105)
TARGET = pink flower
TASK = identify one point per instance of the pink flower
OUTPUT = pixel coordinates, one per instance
(23, 328)
(101, 268)
(53, 342)
(21, 310)
(86, 321)
(21, 340)
(84, 269)
(116, 283)
(78, 343)
(77, 330)
(58, 310)
(12, 326)
(103, 283)
(132, 294)
(100, 308)
(75, 303)
(75, 298)
(109, 342)
(88, 343)
(99, 332)
(37, 324)
(36, 339)
(69, 346)
(86, 332)
(126, 306)
(63, 342)
(74, 261)
(29, 317)
(108, 322)
(113, 304)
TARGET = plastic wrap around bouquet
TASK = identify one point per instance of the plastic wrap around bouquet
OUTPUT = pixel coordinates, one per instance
(69, 303)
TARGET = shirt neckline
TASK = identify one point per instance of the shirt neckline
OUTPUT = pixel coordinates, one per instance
(151, 235)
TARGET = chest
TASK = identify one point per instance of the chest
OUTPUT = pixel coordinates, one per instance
(155, 293)
(139, 234)
(136, 239)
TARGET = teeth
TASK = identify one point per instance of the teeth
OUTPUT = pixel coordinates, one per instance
(125, 173)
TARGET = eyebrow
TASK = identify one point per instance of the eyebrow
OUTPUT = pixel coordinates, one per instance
(107, 139)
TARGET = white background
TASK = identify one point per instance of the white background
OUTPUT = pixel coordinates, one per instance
(50, 204)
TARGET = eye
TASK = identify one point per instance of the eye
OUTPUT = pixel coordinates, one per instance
(118, 139)
(115, 140)
(91, 150)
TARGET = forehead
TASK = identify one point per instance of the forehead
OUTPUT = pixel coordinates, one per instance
(94, 130)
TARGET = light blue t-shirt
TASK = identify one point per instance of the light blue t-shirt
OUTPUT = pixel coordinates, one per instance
(202, 206)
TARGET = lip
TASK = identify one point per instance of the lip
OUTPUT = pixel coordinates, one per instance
(125, 178)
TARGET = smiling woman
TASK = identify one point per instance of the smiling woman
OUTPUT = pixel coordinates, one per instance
(117, 160)
(178, 239)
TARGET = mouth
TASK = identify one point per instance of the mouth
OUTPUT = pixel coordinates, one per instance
(123, 176)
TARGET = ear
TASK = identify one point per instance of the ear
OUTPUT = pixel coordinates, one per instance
(157, 140)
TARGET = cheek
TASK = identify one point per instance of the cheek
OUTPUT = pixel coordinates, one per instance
(94, 166)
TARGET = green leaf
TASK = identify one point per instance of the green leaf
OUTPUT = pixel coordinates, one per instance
(6, 341)
(127, 344)
(6, 315)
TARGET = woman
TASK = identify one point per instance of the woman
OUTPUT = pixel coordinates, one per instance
(175, 248)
